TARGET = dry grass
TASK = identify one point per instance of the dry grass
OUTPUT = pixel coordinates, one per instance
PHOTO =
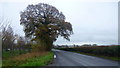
(23, 57)
(29, 59)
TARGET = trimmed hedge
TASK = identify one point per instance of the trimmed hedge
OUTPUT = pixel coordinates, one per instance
(112, 51)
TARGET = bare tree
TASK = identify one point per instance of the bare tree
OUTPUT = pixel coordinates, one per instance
(8, 38)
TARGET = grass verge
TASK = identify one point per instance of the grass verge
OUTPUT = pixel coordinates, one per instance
(39, 61)
(29, 59)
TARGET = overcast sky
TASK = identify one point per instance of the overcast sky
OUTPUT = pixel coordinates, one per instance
(93, 21)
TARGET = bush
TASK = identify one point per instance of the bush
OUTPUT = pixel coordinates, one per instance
(37, 48)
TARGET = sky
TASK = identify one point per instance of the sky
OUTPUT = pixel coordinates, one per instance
(93, 21)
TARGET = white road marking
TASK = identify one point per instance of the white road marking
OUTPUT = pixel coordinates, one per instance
(54, 56)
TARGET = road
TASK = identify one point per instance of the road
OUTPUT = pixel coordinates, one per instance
(65, 58)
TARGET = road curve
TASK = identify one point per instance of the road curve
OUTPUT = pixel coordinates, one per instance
(65, 58)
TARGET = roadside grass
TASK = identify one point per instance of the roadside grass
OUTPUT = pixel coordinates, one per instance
(101, 56)
(0, 63)
(39, 61)
(29, 59)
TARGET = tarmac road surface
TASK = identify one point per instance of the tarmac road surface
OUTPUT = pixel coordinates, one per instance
(65, 58)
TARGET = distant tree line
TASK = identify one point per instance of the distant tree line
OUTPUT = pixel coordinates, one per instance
(69, 46)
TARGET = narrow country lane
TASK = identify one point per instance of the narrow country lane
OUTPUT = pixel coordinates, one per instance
(65, 58)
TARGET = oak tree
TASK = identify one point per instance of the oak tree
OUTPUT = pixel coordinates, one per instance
(44, 23)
